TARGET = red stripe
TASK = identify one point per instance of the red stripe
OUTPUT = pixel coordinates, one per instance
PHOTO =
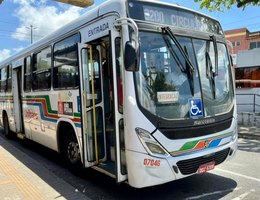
(45, 110)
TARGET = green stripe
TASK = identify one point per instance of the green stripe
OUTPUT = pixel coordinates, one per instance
(192, 144)
(49, 109)
(189, 145)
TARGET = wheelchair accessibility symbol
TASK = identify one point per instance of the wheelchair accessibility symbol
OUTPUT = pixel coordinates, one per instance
(195, 108)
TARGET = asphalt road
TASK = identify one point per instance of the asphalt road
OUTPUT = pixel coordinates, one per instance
(237, 179)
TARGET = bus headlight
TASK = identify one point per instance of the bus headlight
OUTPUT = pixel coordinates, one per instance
(150, 144)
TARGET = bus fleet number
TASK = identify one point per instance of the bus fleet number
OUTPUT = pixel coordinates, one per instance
(152, 162)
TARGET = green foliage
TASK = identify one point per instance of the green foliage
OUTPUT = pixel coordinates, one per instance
(222, 5)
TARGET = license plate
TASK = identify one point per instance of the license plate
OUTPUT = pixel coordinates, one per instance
(206, 167)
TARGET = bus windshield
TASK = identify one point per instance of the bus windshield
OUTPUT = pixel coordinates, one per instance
(164, 87)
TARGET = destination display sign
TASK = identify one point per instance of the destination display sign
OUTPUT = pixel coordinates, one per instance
(173, 16)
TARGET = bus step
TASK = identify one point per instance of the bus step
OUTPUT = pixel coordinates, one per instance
(20, 135)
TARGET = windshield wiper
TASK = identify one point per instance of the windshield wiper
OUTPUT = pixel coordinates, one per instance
(176, 58)
(189, 73)
(189, 69)
(177, 43)
(213, 39)
(209, 71)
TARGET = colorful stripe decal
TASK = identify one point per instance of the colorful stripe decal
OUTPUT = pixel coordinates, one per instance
(46, 112)
(6, 98)
(195, 146)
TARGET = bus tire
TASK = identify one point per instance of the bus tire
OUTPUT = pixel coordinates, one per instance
(7, 131)
(71, 152)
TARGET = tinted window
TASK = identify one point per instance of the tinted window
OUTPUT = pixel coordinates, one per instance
(92, 75)
(119, 74)
(27, 74)
(252, 45)
(65, 69)
(3, 79)
(42, 70)
(9, 79)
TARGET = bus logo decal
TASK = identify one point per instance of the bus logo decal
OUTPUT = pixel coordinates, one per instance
(195, 106)
(206, 143)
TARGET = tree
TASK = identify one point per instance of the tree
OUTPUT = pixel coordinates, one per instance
(221, 5)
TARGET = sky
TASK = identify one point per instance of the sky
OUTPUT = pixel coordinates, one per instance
(45, 16)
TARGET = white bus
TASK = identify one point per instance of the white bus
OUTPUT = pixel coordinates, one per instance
(141, 91)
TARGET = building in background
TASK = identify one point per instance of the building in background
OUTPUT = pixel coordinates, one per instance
(242, 39)
(248, 69)
(245, 50)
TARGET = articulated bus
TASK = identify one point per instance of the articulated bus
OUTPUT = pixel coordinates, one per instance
(142, 91)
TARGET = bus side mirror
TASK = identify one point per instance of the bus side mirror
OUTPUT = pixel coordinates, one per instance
(131, 57)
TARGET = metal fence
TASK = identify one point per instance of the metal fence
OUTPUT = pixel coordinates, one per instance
(248, 102)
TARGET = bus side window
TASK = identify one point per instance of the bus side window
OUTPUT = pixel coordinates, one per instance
(96, 77)
(3, 79)
(42, 69)
(27, 74)
(65, 69)
(9, 79)
(119, 74)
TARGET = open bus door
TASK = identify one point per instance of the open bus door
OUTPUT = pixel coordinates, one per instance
(101, 136)
(92, 106)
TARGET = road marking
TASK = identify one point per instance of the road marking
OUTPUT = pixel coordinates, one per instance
(213, 193)
(237, 174)
(242, 196)
(237, 164)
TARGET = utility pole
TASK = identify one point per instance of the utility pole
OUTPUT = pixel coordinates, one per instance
(31, 28)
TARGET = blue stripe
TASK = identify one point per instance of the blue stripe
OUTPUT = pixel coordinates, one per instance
(213, 144)
(78, 125)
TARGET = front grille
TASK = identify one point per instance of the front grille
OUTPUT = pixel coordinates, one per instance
(191, 166)
(196, 131)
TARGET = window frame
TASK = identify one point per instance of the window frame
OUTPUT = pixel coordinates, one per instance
(9, 79)
(3, 87)
(255, 43)
(27, 74)
(36, 72)
(56, 67)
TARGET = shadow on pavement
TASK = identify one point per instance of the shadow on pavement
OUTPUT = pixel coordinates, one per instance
(17, 149)
(95, 185)
(249, 145)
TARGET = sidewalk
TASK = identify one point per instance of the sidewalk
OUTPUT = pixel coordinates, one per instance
(23, 178)
(249, 132)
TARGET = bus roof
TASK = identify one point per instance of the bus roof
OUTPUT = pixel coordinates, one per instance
(116, 6)
(106, 7)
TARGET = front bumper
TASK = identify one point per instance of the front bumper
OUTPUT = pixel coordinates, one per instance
(145, 170)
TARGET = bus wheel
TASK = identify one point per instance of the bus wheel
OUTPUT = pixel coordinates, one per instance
(71, 152)
(7, 131)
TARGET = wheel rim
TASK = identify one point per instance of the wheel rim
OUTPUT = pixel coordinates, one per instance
(73, 152)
